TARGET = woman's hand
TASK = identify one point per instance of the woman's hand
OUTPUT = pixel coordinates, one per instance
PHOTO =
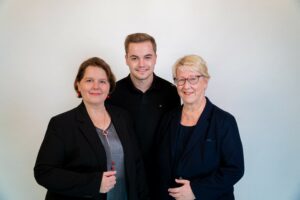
(183, 192)
(108, 181)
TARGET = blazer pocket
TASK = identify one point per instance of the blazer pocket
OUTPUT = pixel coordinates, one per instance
(210, 154)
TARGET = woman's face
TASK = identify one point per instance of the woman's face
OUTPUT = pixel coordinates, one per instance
(94, 86)
(190, 93)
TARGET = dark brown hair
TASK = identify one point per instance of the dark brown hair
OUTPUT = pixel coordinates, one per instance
(95, 62)
(137, 38)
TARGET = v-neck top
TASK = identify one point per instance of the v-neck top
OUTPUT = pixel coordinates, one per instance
(115, 161)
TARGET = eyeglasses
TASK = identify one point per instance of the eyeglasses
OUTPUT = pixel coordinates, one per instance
(193, 80)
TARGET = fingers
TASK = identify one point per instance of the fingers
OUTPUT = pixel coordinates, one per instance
(176, 195)
(109, 173)
(173, 190)
(108, 181)
(182, 192)
(181, 181)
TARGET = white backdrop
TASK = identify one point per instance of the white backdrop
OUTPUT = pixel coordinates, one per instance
(252, 48)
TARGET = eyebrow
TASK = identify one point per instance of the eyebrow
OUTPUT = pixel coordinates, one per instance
(147, 55)
(88, 77)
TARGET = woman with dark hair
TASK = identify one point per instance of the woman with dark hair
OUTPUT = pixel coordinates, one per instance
(89, 152)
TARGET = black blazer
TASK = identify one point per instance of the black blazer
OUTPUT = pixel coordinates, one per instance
(71, 159)
(212, 160)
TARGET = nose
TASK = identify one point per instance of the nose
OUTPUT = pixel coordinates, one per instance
(96, 85)
(141, 62)
(186, 84)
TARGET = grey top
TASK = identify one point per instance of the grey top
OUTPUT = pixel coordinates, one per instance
(115, 161)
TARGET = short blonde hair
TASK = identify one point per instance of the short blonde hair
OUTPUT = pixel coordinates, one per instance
(193, 62)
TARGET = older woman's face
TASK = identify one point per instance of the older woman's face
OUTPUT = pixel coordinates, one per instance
(94, 86)
(194, 85)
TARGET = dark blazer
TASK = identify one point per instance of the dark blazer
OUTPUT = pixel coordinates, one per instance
(212, 160)
(72, 158)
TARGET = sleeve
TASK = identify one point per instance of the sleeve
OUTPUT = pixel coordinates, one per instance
(231, 167)
(177, 99)
(173, 98)
(49, 170)
(141, 176)
(142, 186)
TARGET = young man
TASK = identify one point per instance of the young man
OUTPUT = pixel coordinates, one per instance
(146, 96)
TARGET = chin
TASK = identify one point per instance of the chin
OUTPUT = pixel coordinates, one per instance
(188, 101)
(143, 77)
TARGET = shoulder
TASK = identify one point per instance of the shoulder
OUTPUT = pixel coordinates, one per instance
(62, 124)
(116, 111)
(65, 115)
(123, 82)
(65, 118)
(166, 90)
(171, 116)
(221, 116)
(222, 113)
(164, 83)
(122, 88)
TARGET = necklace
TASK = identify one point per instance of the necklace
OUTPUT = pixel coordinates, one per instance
(105, 132)
(105, 122)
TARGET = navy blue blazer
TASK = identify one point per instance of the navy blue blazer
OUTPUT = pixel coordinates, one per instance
(71, 159)
(212, 160)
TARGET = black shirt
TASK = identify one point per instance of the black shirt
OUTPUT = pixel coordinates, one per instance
(182, 137)
(146, 110)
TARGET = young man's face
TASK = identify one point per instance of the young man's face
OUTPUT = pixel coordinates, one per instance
(141, 60)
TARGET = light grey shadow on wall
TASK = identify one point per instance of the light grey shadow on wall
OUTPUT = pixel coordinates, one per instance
(2, 197)
(297, 197)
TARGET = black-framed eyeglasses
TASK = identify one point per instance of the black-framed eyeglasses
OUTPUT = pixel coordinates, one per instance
(193, 80)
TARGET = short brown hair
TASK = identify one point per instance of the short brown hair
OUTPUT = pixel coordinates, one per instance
(138, 38)
(95, 62)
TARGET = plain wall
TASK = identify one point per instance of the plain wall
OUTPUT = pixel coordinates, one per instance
(252, 48)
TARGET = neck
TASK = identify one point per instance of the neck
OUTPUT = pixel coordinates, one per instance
(144, 84)
(99, 116)
(191, 113)
(95, 109)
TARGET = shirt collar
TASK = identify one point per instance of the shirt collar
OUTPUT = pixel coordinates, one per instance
(155, 84)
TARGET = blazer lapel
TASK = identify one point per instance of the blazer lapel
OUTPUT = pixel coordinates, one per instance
(89, 131)
(122, 132)
(117, 122)
(175, 123)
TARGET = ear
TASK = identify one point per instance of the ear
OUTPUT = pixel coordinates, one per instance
(205, 80)
(155, 56)
(126, 59)
(78, 86)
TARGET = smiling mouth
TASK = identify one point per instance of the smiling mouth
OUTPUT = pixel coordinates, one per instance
(94, 93)
(187, 93)
(141, 70)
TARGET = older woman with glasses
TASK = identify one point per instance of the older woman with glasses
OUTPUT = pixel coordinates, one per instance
(200, 151)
